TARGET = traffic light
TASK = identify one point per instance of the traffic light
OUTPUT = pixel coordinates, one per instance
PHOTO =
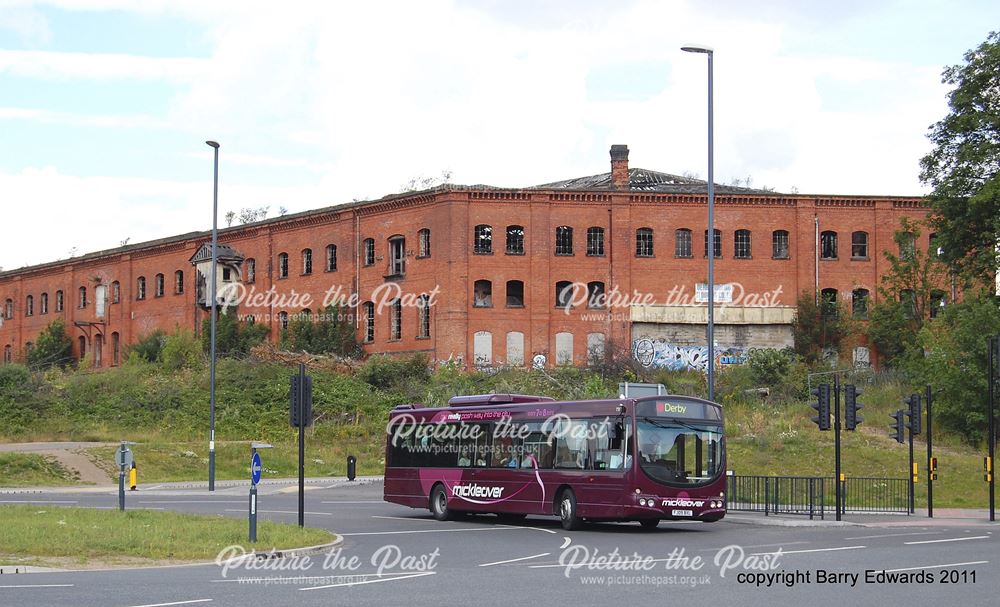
(897, 426)
(293, 402)
(913, 412)
(822, 406)
(852, 405)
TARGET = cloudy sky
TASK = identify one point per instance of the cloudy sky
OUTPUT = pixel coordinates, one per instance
(105, 104)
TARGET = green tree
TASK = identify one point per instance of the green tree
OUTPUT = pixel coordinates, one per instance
(914, 284)
(233, 337)
(964, 166)
(818, 327)
(331, 333)
(149, 346)
(52, 348)
(955, 363)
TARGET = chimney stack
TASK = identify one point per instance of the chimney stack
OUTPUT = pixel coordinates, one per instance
(619, 167)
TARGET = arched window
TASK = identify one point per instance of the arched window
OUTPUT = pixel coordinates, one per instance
(307, 261)
(140, 288)
(159, 287)
(779, 244)
(644, 242)
(828, 302)
(116, 349)
(369, 251)
(482, 294)
(369, 316)
(595, 294)
(682, 243)
(44, 303)
(331, 258)
(482, 239)
(564, 240)
(251, 270)
(424, 243)
(8, 309)
(717, 241)
(397, 255)
(98, 350)
(515, 294)
(828, 245)
(116, 292)
(564, 294)
(8, 355)
(179, 282)
(515, 240)
(82, 296)
(82, 346)
(283, 320)
(424, 316)
(595, 241)
(29, 305)
(282, 265)
(742, 248)
(60, 303)
(396, 319)
(859, 303)
(859, 245)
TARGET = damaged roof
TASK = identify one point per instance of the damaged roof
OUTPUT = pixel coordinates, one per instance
(644, 180)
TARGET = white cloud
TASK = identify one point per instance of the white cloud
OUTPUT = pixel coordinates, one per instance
(97, 66)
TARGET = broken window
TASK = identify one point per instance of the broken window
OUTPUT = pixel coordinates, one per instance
(397, 256)
(859, 245)
(282, 265)
(515, 240)
(564, 240)
(595, 242)
(779, 244)
(482, 240)
(482, 295)
(515, 294)
(828, 245)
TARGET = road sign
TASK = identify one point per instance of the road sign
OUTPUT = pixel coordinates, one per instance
(124, 457)
(255, 468)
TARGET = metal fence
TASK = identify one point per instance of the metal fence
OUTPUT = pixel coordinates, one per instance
(815, 496)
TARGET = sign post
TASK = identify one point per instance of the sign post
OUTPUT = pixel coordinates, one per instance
(124, 459)
(256, 468)
(300, 416)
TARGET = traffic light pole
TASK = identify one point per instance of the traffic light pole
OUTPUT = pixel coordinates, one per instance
(991, 438)
(931, 472)
(836, 441)
(911, 458)
(302, 444)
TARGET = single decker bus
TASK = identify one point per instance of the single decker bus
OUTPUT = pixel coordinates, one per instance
(641, 459)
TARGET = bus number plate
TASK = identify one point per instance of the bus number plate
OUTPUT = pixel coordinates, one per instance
(682, 513)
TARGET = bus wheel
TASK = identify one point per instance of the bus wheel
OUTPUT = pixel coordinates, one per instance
(649, 523)
(439, 504)
(567, 511)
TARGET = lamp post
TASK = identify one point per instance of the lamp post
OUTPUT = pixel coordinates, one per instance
(710, 238)
(211, 372)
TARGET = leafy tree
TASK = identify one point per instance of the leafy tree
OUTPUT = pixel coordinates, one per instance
(52, 348)
(964, 166)
(149, 346)
(332, 333)
(233, 337)
(955, 363)
(908, 291)
(818, 327)
(180, 350)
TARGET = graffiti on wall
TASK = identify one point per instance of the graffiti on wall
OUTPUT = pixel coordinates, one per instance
(658, 354)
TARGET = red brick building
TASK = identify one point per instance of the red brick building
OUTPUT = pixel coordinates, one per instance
(494, 264)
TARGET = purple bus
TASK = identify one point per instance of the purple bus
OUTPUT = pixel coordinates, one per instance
(632, 459)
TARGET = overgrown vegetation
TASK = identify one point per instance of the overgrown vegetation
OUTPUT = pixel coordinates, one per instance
(233, 337)
(52, 348)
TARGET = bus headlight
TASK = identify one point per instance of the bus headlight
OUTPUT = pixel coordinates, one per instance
(642, 501)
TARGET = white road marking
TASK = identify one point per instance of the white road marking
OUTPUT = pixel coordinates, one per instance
(280, 511)
(192, 501)
(38, 586)
(936, 566)
(865, 537)
(434, 531)
(780, 544)
(176, 603)
(407, 518)
(355, 502)
(784, 552)
(523, 558)
(953, 539)
(38, 501)
(532, 528)
(391, 579)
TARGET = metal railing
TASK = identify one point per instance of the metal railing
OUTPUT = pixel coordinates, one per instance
(814, 496)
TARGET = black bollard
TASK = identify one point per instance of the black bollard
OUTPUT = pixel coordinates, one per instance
(351, 465)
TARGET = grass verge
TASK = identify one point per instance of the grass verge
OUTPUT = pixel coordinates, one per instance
(33, 470)
(87, 533)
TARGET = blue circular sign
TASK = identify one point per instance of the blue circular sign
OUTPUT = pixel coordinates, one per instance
(255, 468)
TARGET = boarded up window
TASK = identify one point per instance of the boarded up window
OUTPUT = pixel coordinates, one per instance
(515, 349)
(482, 347)
(564, 348)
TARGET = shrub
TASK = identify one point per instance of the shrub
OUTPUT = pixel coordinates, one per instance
(148, 347)
(52, 348)
(180, 351)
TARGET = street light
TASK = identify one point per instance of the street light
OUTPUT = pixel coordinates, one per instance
(211, 372)
(710, 235)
